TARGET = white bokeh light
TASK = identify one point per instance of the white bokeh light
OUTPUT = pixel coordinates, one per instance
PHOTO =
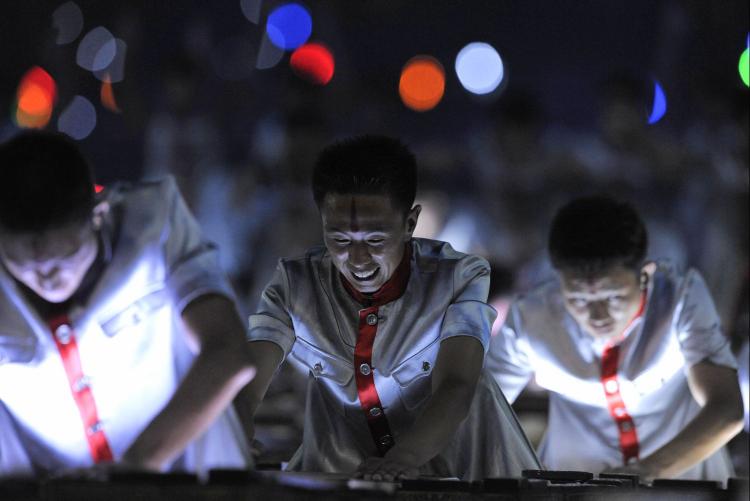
(78, 119)
(479, 68)
(96, 50)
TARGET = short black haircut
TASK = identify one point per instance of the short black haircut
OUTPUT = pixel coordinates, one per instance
(369, 165)
(592, 234)
(45, 181)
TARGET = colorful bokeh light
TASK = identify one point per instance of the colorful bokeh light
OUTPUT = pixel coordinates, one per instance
(479, 68)
(35, 99)
(107, 96)
(67, 19)
(422, 83)
(96, 50)
(659, 107)
(78, 119)
(744, 67)
(313, 62)
(289, 26)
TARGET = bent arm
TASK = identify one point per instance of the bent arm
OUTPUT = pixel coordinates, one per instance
(223, 366)
(454, 380)
(717, 390)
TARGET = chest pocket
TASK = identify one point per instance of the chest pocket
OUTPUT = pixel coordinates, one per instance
(413, 375)
(135, 313)
(16, 349)
(322, 365)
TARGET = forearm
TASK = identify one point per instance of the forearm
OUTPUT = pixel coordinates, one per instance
(436, 425)
(713, 426)
(216, 375)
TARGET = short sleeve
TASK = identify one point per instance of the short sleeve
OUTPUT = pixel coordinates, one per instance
(271, 321)
(469, 314)
(507, 359)
(193, 268)
(698, 326)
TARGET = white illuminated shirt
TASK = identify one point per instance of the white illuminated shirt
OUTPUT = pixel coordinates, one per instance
(679, 328)
(130, 340)
(308, 312)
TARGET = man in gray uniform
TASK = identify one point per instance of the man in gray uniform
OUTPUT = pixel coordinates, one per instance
(640, 375)
(393, 329)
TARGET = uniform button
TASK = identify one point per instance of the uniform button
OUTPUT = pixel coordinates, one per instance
(376, 411)
(425, 366)
(371, 319)
(611, 386)
(63, 333)
(95, 428)
(626, 426)
(619, 411)
(318, 368)
(385, 440)
(81, 384)
(365, 370)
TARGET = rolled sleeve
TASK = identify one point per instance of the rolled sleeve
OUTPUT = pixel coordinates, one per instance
(469, 314)
(507, 359)
(193, 268)
(271, 321)
(698, 326)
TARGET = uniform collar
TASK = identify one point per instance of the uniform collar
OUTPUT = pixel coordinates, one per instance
(391, 290)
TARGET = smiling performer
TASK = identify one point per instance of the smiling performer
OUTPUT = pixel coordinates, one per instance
(119, 338)
(640, 375)
(393, 330)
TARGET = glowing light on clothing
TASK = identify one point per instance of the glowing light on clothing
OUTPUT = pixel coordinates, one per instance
(78, 120)
(96, 50)
(35, 99)
(744, 67)
(422, 83)
(314, 63)
(659, 107)
(479, 68)
(67, 19)
(289, 26)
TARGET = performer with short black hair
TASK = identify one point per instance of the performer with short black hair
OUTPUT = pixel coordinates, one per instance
(393, 330)
(640, 376)
(119, 337)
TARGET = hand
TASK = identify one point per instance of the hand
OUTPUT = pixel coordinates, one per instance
(644, 473)
(386, 469)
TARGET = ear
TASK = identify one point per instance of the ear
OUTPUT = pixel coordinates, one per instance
(99, 213)
(647, 272)
(411, 219)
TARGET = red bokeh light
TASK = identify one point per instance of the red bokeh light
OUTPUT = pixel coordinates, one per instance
(313, 62)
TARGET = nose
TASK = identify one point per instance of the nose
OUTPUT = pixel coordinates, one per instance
(358, 254)
(599, 313)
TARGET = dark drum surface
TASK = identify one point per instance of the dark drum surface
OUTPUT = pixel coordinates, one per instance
(240, 485)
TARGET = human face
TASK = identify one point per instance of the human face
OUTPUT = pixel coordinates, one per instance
(365, 236)
(51, 263)
(602, 305)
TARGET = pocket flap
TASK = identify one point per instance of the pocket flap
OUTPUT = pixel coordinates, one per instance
(135, 312)
(418, 365)
(321, 363)
(17, 348)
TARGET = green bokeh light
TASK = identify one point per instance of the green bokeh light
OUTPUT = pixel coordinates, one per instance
(744, 68)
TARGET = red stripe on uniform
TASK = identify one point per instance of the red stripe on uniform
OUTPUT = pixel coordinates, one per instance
(65, 340)
(628, 435)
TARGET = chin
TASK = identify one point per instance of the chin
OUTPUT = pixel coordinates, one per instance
(55, 296)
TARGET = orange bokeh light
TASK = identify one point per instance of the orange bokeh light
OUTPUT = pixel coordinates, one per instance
(422, 83)
(35, 99)
(107, 96)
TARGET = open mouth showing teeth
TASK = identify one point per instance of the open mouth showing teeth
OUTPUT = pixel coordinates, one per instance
(364, 276)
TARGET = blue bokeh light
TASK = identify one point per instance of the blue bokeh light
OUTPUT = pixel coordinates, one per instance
(289, 26)
(659, 108)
